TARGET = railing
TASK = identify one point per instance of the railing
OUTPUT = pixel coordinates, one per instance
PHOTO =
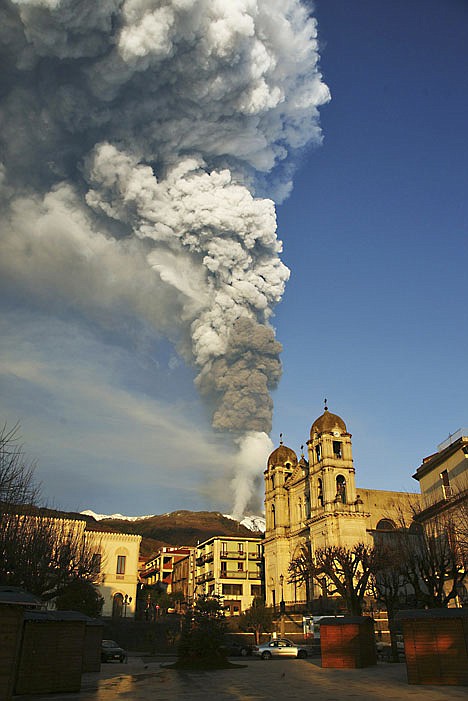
(204, 577)
(233, 554)
(233, 574)
(254, 575)
(255, 556)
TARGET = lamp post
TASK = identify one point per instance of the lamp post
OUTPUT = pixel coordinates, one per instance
(126, 602)
(282, 606)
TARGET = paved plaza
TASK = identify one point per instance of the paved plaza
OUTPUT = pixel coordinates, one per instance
(254, 680)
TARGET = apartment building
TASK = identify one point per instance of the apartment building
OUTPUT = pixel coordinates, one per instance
(159, 570)
(232, 568)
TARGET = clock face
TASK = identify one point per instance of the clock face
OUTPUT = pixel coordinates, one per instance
(336, 433)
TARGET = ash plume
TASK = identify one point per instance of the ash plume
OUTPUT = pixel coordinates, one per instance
(143, 144)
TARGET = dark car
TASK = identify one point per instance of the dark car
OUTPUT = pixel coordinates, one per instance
(111, 651)
(237, 647)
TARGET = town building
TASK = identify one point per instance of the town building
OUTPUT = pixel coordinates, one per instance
(443, 476)
(443, 480)
(118, 555)
(159, 570)
(183, 580)
(314, 503)
(231, 567)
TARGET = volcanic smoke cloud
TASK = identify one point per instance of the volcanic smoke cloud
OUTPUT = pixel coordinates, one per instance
(140, 139)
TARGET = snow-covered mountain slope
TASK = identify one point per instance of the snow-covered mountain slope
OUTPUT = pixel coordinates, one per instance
(121, 517)
(253, 523)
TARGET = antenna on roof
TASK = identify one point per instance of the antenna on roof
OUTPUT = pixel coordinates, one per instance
(281, 439)
(325, 402)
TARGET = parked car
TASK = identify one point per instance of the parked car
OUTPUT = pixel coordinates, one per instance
(237, 647)
(279, 648)
(110, 650)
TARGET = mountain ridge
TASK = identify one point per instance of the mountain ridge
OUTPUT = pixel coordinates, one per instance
(179, 528)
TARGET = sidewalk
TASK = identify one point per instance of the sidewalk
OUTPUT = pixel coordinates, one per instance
(254, 680)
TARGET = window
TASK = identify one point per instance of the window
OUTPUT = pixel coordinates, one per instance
(240, 548)
(256, 591)
(96, 563)
(446, 488)
(337, 449)
(240, 566)
(318, 452)
(232, 589)
(385, 524)
(320, 492)
(340, 489)
(224, 549)
(121, 564)
(273, 516)
(272, 481)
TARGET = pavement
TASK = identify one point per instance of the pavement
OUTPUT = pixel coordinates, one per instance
(148, 679)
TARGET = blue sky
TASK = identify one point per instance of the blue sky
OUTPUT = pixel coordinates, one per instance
(373, 317)
(375, 233)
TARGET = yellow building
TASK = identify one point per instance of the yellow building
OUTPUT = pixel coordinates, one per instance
(443, 480)
(314, 502)
(443, 476)
(118, 555)
(231, 568)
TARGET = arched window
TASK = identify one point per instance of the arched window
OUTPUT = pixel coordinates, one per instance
(117, 606)
(299, 509)
(273, 481)
(340, 489)
(318, 451)
(273, 516)
(307, 506)
(385, 524)
(320, 492)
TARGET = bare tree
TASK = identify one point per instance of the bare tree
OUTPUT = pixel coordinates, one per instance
(301, 569)
(389, 581)
(432, 551)
(40, 550)
(435, 561)
(17, 485)
(338, 570)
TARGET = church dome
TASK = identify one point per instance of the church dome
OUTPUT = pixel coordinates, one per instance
(281, 456)
(328, 422)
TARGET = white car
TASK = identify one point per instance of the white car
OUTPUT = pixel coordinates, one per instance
(279, 648)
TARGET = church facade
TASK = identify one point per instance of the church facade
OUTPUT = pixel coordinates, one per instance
(315, 503)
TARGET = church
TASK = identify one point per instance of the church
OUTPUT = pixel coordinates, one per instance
(315, 502)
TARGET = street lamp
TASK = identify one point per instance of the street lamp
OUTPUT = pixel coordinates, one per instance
(126, 602)
(282, 604)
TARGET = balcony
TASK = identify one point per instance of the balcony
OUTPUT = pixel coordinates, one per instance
(232, 574)
(255, 556)
(255, 575)
(205, 576)
(232, 555)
